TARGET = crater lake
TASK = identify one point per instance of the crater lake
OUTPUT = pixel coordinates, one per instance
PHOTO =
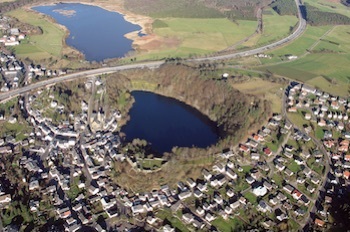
(166, 122)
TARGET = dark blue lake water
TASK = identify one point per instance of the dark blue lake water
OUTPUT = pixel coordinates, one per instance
(97, 33)
(166, 123)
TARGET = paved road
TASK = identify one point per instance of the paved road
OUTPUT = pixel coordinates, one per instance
(300, 29)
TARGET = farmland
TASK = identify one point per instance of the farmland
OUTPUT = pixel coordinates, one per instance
(323, 59)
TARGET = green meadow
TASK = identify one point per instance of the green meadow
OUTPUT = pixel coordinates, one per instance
(49, 44)
(199, 36)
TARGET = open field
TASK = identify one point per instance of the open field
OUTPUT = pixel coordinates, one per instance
(199, 36)
(337, 40)
(335, 66)
(326, 67)
(299, 46)
(266, 89)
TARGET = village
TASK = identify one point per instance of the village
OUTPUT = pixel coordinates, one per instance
(286, 172)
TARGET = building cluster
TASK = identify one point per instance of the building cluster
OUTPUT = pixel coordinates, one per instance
(330, 116)
(12, 72)
(277, 172)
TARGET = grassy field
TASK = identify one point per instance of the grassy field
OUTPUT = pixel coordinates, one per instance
(338, 89)
(199, 36)
(265, 89)
(48, 45)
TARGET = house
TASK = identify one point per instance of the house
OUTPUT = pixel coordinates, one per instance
(288, 172)
(244, 148)
(235, 205)
(197, 193)
(267, 185)
(260, 191)
(296, 194)
(310, 188)
(267, 151)
(250, 180)
(185, 195)
(230, 173)
(255, 156)
(288, 188)
(281, 197)
(200, 211)
(263, 207)
(319, 222)
(280, 167)
(5, 198)
(191, 182)
(219, 168)
(307, 116)
(137, 209)
(207, 175)
(188, 218)
(346, 174)
(292, 109)
(209, 217)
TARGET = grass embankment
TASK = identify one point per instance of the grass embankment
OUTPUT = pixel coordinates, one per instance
(276, 27)
(46, 47)
(264, 89)
(191, 36)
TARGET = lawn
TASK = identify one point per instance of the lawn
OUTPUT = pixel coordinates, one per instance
(294, 167)
(278, 179)
(319, 132)
(297, 119)
(175, 222)
(151, 163)
(227, 225)
(199, 36)
(251, 197)
(276, 27)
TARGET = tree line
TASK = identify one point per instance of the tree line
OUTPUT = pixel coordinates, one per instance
(313, 15)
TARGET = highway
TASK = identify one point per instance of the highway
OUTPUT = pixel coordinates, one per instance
(298, 32)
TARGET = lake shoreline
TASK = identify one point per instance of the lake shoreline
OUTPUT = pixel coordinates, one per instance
(137, 41)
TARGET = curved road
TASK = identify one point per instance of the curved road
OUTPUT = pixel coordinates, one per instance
(301, 28)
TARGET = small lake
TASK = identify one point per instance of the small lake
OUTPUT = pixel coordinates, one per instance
(96, 32)
(165, 123)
